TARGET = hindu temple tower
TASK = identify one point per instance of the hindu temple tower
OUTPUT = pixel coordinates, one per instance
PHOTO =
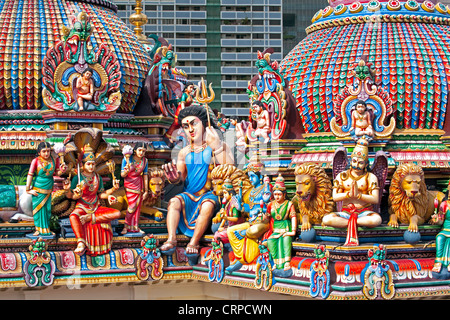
(407, 45)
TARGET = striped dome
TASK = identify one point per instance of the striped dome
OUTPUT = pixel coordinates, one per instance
(29, 27)
(406, 41)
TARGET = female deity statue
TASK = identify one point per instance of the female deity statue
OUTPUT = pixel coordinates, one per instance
(135, 174)
(43, 168)
(230, 212)
(191, 210)
(443, 237)
(90, 221)
(283, 222)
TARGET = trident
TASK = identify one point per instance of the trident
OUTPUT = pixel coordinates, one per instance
(205, 99)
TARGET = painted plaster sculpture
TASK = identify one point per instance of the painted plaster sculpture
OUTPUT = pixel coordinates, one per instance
(149, 206)
(149, 264)
(240, 133)
(283, 221)
(244, 238)
(222, 122)
(134, 172)
(191, 211)
(185, 101)
(77, 78)
(378, 275)
(238, 178)
(90, 221)
(441, 267)
(162, 86)
(39, 269)
(409, 200)
(214, 259)
(313, 196)
(156, 185)
(264, 278)
(231, 211)
(357, 191)
(361, 110)
(320, 275)
(261, 118)
(273, 115)
(40, 185)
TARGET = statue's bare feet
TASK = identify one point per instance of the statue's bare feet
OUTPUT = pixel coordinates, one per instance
(81, 248)
(192, 249)
(124, 231)
(169, 244)
(437, 267)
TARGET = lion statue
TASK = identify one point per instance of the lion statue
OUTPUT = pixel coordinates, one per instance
(238, 178)
(313, 197)
(409, 200)
(156, 182)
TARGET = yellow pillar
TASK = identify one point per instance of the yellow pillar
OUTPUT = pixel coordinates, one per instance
(153, 131)
(60, 125)
(98, 126)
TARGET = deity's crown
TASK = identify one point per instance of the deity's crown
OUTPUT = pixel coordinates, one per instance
(361, 149)
(255, 165)
(88, 153)
(227, 185)
(279, 184)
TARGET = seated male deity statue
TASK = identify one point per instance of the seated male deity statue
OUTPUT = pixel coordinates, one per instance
(358, 190)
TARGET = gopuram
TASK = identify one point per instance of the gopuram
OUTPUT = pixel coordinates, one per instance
(116, 170)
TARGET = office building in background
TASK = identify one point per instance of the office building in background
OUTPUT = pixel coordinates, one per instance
(216, 39)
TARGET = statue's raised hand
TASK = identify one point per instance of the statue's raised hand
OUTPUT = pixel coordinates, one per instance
(171, 172)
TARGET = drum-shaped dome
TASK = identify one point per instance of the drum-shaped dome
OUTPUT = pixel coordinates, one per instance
(28, 28)
(406, 42)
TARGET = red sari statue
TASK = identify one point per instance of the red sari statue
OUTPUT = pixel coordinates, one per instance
(91, 222)
(135, 180)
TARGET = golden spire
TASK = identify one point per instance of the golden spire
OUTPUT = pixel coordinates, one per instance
(138, 19)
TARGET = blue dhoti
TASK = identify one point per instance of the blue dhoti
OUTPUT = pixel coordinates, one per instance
(196, 190)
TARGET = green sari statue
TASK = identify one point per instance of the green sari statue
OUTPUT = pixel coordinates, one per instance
(42, 170)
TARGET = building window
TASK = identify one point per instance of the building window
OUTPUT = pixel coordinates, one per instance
(289, 20)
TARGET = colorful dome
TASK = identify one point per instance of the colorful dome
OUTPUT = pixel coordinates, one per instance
(28, 28)
(407, 42)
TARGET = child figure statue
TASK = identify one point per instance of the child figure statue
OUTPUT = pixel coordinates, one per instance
(85, 88)
(362, 120)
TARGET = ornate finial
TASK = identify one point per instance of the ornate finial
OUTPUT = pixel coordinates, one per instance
(279, 184)
(138, 19)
